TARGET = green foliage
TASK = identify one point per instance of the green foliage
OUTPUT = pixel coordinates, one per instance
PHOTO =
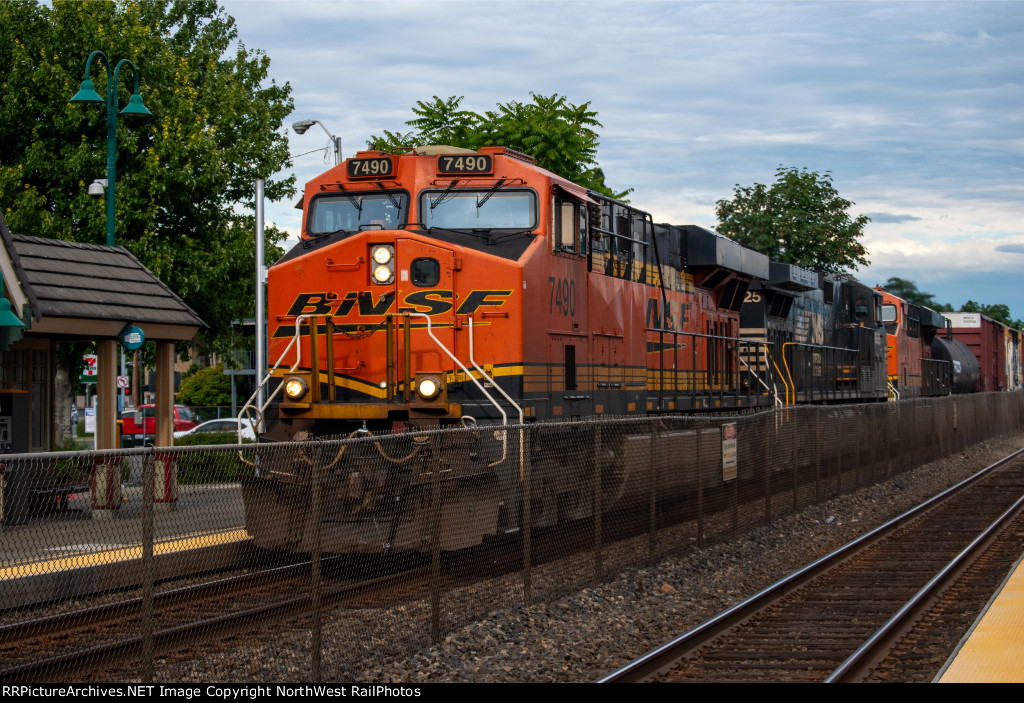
(906, 289)
(997, 311)
(558, 134)
(210, 466)
(205, 386)
(800, 219)
(182, 174)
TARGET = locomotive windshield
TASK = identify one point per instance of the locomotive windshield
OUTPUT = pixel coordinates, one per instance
(347, 212)
(479, 209)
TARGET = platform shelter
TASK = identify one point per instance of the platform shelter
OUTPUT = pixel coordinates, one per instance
(72, 291)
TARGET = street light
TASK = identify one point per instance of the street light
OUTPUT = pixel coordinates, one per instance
(301, 126)
(97, 187)
(87, 94)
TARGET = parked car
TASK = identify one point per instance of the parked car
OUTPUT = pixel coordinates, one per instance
(138, 426)
(229, 424)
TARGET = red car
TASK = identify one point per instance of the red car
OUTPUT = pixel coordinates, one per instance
(141, 423)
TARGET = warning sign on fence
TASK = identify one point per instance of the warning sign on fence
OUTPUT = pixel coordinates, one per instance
(729, 452)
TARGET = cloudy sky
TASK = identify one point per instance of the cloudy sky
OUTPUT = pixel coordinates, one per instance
(916, 108)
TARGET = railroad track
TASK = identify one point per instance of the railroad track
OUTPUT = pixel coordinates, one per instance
(860, 612)
(106, 640)
(59, 647)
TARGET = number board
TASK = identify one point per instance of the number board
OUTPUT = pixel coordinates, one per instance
(369, 168)
(470, 163)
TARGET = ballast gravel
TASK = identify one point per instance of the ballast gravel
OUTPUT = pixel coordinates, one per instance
(584, 635)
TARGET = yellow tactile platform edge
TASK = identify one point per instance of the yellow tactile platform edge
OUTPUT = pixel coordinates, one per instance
(78, 561)
(994, 649)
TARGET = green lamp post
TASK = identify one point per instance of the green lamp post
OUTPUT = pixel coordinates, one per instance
(87, 94)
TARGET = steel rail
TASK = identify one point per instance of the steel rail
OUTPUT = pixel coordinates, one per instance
(132, 607)
(664, 657)
(191, 633)
(859, 664)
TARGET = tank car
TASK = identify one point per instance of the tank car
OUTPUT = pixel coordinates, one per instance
(963, 366)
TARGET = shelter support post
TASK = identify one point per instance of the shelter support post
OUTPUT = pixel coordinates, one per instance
(106, 471)
(166, 464)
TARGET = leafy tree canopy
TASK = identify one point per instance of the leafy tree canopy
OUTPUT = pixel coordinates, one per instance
(800, 219)
(558, 134)
(182, 174)
(205, 387)
(906, 289)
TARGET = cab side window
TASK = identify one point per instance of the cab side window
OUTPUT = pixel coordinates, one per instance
(568, 226)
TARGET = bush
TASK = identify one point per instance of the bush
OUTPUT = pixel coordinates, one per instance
(206, 386)
(220, 466)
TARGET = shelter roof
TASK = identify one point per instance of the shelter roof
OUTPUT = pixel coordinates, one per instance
(89, 290)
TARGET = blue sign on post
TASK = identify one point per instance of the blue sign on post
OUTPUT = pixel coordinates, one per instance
(132, 337)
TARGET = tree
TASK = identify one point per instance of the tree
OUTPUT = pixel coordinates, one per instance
(557, 133)
(800, 219)
(906, 289)
(205, 387)
(182, 175)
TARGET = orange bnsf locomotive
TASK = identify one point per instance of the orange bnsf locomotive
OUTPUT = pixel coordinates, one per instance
(444, 284)
(446, 287)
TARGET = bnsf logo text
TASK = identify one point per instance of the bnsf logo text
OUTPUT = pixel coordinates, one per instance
(363, 303)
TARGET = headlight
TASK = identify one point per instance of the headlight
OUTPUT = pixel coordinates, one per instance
(428, 387)
(383, 256)
(295, 388)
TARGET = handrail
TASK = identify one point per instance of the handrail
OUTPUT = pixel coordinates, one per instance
(491, 380)
(816, 347)
(764, 350)
(738, 341)
(260, 410)
(522, 420)
(894, 395)
(782, 376)
(442, 347)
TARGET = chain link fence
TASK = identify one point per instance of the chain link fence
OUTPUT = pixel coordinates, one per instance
(334, 556)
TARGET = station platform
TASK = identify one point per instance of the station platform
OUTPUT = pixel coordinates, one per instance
(993, 650)
(68, 554)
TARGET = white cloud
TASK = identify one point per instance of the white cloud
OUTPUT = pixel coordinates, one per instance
(916, 108)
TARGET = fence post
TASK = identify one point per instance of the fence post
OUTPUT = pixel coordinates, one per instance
(794, 469)
(816, 429)
(435, 545)
(597, 500)
(654, 471)
(315, 562)
(700, 489)
(148, 563)
(527, 526)
(771, 418)
(719, 439)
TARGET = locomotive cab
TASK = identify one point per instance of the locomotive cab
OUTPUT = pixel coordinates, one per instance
(910, 330)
